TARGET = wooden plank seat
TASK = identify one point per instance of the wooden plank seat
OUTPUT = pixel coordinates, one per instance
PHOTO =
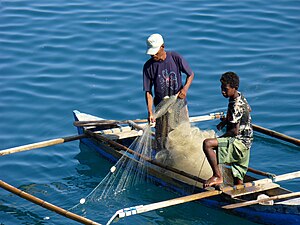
(121, 132)
(250, 190)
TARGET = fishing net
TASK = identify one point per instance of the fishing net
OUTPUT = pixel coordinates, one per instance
(129, 171)
(173, 142)
(178, 142)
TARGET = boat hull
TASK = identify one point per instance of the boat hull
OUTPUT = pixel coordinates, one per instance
(263, 214)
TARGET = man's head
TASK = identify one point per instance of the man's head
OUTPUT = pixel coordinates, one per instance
(154, 43)
(229, 84)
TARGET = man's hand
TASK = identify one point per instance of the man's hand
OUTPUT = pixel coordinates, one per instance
(182, 93)
(151, 119)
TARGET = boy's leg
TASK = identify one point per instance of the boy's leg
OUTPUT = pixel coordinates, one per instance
(237, 181)
(208, 147)
(239, 166)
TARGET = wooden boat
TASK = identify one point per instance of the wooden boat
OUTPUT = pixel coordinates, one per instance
(112, 140)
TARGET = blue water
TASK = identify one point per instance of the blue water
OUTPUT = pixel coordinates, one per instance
(57, 56)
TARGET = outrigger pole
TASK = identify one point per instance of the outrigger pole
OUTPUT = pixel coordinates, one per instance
(276, 134)
(176, 201)
(46, 205)
(41, 144)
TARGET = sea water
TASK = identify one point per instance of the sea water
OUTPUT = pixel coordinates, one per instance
(57, 56)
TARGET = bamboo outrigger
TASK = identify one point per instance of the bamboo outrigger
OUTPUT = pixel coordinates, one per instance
(46, 204)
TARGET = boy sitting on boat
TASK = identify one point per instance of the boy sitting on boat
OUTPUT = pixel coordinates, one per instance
(233, 147)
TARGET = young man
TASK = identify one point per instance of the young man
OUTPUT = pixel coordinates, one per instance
(233, 147)
(163, 71)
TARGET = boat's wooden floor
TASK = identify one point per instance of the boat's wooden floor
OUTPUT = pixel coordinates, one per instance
(119, 133)
(115, 133)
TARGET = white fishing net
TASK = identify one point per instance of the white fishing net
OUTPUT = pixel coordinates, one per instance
(179, 142)
(178, 145)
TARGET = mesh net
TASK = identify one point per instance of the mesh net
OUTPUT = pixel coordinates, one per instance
(177, 144)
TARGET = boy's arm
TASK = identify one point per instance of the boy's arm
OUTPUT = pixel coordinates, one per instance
(222, 123)
(232, 130)
(233, 118)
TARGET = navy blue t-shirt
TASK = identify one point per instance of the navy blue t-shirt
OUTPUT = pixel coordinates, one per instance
(165, 75)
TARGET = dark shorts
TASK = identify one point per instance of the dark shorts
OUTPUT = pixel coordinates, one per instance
(232, 151)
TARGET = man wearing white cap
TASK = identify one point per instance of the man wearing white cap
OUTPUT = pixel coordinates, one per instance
(163, 71)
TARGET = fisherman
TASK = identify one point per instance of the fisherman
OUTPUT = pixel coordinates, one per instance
(163, 71)
(233, 147)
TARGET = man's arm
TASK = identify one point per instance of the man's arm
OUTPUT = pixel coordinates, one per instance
(183, 92)
(149, 102)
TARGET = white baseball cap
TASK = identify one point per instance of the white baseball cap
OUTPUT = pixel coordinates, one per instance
(154, 42)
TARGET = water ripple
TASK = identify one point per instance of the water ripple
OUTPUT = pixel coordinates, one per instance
(58, 56)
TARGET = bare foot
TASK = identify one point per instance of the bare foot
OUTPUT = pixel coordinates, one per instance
(213, 181)
(237, 181)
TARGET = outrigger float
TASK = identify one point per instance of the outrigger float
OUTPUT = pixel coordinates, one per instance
(258, 200)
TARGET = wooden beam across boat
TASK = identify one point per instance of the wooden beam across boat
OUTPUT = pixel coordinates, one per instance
(253, 202)
(105, 122)
(193, 119)
(251, 189)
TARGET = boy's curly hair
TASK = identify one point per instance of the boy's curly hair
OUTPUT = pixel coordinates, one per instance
(230, 78)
